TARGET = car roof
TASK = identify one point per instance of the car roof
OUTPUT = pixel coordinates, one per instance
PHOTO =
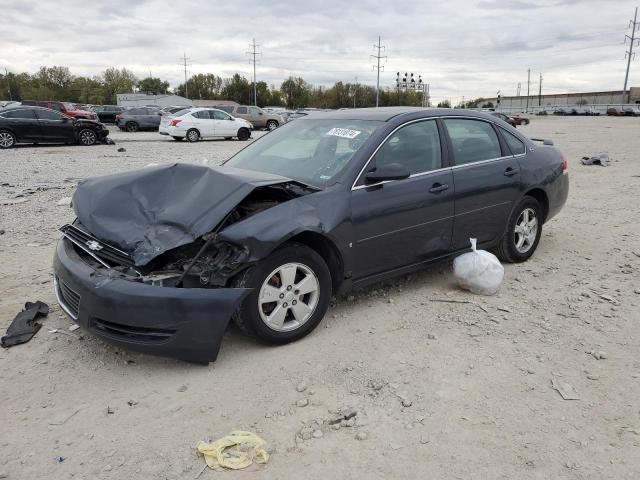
(385, 114)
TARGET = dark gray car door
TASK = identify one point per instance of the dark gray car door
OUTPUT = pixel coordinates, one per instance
(55, 126)
(486, 178)
(404, 222)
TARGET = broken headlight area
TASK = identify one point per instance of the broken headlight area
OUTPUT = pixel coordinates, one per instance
(202, 264)
(205, 263)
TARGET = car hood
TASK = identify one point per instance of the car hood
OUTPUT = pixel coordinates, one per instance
(150, 211)
(86, 121)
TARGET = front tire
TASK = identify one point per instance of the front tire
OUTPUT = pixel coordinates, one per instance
(523, 232)
(290, 296)
(7, 139)
(87, 137)
(193, 135)
(244, 134)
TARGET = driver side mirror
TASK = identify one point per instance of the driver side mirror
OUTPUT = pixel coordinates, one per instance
(391, 171)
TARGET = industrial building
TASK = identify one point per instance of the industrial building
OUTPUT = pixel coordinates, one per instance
(144, 99)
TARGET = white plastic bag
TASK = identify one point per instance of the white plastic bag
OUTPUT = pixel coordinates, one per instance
(478, 271)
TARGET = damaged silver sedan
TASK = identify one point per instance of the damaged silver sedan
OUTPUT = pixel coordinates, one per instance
(160, 260)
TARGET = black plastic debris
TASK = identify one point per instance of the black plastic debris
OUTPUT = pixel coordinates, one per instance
(602, 160)
(25, 326)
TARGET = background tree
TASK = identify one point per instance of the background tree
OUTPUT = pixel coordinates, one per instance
(117, 81)
(444, 104)
(153, 85)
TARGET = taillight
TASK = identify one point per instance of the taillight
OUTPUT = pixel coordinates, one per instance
(565, 164)
(175, 122)
(118, 117)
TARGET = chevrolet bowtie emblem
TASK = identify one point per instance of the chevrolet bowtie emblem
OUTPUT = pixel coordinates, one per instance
(93, 245)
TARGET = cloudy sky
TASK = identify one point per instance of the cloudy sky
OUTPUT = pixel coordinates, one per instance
(461, 47)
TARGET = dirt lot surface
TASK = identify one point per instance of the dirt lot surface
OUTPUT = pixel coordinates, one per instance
(441, 389)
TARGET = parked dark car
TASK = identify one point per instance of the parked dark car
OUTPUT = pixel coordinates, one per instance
(591, 112)
(139, 118)
(160, 259)
(565, 111)
(107, 113)
(615, 112)
(631, 111)
(42, 125)
(504, 118)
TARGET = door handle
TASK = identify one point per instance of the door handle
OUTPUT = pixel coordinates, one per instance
(438, 187)
(510, 171)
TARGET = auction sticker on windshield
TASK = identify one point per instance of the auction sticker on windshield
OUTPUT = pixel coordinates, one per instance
(344, 132)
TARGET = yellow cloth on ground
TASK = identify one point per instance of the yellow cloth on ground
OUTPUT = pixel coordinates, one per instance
(234, 451)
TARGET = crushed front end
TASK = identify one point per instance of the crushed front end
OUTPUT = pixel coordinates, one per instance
(138, 312)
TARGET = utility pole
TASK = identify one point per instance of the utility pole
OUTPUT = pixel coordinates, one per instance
(355, 93)
(634, 24)
(6, 75)
(378, 67)
(528, 85)
(540, 91)
(254, 53)
(518, 90)
(185, 65)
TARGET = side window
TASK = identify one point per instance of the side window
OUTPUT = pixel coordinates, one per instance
(22, 113)
(220, 115)
(241, 110)
(473, 140)
(48, 115)
(254, 111)
(515, 144)
(55, 106)
(135, 111)
(202, 114)
(415, 146)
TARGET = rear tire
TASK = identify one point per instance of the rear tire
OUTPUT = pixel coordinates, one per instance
(87, 137)
(296, 308)
(193, 135)
(244, 134)
(177, 139)
(272, 125)
(523, 232)
(7, 139)
(132, 127)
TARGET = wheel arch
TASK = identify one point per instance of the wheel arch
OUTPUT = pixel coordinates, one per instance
(327, 250)
(541, 196)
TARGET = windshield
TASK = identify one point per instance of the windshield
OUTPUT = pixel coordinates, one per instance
(311, 151)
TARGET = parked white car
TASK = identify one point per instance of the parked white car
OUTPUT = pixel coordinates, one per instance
(197, 123)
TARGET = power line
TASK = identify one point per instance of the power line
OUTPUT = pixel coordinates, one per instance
(254, 53)
(378, 67)
(634, 24)
(185, 65)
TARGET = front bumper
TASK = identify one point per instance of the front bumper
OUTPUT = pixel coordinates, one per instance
(183, 323)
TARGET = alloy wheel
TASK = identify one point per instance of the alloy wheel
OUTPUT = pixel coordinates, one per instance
(6, 140)
(272, 125)
(288, 297)
(526, 230)
(87, 137)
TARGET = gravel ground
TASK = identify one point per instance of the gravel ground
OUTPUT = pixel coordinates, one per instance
(458, 390)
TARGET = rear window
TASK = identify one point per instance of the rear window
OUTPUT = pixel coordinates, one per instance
(225, 108)
(137, 111)
(184, 111)
(202, 114)
(241, 110)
